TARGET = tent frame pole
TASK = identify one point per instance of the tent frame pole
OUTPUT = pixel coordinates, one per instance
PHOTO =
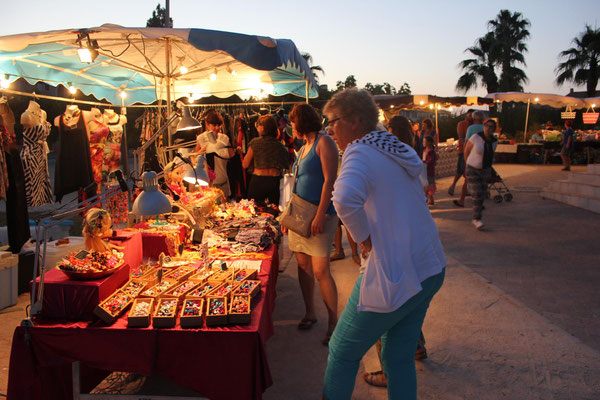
(526, 121)
(168, 81)
(306, 90)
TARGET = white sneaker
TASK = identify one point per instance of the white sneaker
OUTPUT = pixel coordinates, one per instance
(478, 224)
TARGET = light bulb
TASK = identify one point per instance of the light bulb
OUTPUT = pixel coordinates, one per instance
(593, 105)
(122, 94)
(72, 89)
(422, 102)
(213, 76)
(537, 99)
(392, 106)
(451, 108)
(233, 72)
(431, 106)
(5, 83)
(183, 70)
(438, 106)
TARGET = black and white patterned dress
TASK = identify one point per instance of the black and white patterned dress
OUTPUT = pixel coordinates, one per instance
(35, 165)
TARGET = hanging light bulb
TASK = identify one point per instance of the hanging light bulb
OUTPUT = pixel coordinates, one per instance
(122, 94)
(451, 108)
(72, 89)
(191, 98)
(431, 106)
(213, 76)
(421, 102)
(233, 72)
(537, 99)
(5, 83)
(183, 70)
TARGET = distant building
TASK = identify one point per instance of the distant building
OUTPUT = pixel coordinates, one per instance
(582, 95)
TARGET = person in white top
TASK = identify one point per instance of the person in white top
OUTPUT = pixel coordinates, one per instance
(379, 197)
(479, 153)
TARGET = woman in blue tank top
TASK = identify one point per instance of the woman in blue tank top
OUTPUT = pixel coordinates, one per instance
(316, 170)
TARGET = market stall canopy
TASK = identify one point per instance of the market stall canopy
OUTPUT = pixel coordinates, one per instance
(552, 100)
(141, 62)
(410, 101)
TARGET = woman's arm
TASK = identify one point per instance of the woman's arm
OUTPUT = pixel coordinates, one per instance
(328, 153)
(248, 158)
(468, 149)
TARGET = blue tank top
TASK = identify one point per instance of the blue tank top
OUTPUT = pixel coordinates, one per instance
(310, 178)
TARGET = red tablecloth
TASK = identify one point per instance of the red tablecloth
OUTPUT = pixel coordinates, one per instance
(156, 243)
(221, 363)
(75, 300)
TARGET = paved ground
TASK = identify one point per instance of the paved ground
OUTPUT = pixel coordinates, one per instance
(517, 317)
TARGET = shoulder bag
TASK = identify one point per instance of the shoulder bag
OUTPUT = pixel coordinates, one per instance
(299, 213)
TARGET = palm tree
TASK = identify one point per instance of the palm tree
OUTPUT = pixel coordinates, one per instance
(481, 68)
(313, 68)
(510, 31)
(582, 64)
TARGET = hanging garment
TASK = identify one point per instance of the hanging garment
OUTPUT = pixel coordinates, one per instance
(117, 207)
(73, 161)
(97, 141)
(4, 141)
(17, 217)
(35, 164)
(112, 148)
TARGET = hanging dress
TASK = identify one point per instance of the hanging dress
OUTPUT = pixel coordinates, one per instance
(35, 165)
(112, 147)
(73, 161)
(97, 143)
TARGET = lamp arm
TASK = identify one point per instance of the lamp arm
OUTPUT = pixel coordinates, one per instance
(42, 233)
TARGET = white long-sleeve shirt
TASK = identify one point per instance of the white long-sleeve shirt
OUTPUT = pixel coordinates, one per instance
(378, 193)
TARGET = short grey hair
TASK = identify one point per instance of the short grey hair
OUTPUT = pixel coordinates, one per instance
(478, 116)
(352, 102)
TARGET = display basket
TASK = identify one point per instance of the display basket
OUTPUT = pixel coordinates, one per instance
(110, 309)
(239, 316)
(214, 319)
(180, 274)
(135, 319)
(90, 276)
(159, 289)
(192, 317)
(248, 287)
(164, 321)
(179, 291)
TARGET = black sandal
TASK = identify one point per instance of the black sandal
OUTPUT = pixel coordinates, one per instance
(306, 323)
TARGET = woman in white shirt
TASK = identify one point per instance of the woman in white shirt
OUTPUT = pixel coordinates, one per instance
(379, 197)
(479, 153)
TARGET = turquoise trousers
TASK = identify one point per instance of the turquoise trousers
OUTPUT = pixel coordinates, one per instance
(399, 331)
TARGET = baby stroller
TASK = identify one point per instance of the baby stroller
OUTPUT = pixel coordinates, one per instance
(497, 183)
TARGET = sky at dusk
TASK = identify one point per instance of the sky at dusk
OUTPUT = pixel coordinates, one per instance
(419, 42)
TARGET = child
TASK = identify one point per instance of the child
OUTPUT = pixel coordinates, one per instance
(430, 158)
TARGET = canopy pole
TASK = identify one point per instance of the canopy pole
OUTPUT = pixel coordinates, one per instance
(306, 84)
(526, 121)
(169, 108)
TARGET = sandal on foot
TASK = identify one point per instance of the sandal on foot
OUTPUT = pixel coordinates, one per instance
(337, 256)
(306, 323)
(375, 378)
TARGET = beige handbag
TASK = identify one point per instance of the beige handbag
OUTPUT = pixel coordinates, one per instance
(299, 213)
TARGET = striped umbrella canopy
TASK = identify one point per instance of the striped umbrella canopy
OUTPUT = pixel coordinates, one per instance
(142, 65)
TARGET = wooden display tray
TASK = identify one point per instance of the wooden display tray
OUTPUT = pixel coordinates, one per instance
(170, 293)
(107, 316)
(240, 318)
(140, 271)
(140, 321)
(250, 275)
(137, 291)
(158, 293)
(214, 320)
(200, 275)
(202, 286)
(192, 321)
(182, 273)
(234, 286)
(252, 293)
(90, 276)
(221, 275)
(164, 321)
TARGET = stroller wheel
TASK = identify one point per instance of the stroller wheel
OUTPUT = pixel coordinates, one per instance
(498, 199)
(508, 197)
